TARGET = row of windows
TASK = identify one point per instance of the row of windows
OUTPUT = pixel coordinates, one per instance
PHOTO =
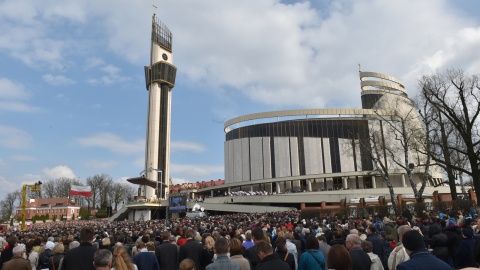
(48, 211)
(326, 128)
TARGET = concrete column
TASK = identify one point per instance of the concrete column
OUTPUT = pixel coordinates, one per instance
(309, 184)
(288, 185)
(345, 185)
(278, 187)
(404, 184)
(251, 187)
(211, 193)
(374, 183)
(228, 190)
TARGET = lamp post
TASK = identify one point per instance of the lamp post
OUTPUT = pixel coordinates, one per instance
(161, 183)
(166, 210)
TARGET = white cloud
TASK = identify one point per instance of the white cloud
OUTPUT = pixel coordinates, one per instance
(113, 143)
(57, 79)
(187, 146)
(7, 186)
(12, 90)
(58, 172)
(13, 96)
(2, 163)
(14, 138)
(196, 171)
(112, 76)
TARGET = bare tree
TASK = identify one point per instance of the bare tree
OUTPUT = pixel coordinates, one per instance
(59, 187)
(65, 184)
(456, 97)
(49, 189)
(8, 204)
(99, 184)
(376, 148)
(118, 193)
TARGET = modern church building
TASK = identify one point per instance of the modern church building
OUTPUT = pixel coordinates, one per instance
(331, 154)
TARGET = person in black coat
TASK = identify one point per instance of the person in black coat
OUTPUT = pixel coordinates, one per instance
(454, 236)
(465, 256)
(54, 262)
(360, 259)
(167, 253)
(7, 253)
(283, 254)
(251, 253)
(81, 257)
(337, 239)
(438, 242)
(269, 260)
(44, 257)
(377, 242)
(191, 250)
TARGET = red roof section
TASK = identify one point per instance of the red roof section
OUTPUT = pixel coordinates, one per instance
(198, 185)
(49, 202)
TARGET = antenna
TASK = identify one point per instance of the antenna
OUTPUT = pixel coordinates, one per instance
(154, 9)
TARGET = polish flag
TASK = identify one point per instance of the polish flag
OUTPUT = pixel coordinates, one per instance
(81, 191)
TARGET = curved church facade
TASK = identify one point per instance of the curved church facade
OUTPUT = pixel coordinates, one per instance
(326, 149)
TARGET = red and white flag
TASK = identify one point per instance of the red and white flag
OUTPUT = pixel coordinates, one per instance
(81, 191)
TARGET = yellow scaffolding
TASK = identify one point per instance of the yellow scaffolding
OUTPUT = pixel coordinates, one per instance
(35, 188)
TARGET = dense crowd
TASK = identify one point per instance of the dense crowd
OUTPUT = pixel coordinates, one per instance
(280, 241)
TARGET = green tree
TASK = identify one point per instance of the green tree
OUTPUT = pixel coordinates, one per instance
(84, 214)
(102, 213)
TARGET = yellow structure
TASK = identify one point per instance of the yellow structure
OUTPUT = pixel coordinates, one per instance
(34, 187)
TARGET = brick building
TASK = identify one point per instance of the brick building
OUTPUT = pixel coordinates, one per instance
(52, 206)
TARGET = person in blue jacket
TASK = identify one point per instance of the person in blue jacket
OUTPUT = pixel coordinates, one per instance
(312, 258)
(420, 257)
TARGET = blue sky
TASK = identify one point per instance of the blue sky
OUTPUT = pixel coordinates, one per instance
(73, 101)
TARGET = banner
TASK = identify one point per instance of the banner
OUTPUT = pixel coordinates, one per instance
(81, 191)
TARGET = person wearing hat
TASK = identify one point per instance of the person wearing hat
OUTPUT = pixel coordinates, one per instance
(44, 257)
(465, 255)
(420, 257)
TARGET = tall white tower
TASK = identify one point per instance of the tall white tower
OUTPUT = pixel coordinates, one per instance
(160, 79)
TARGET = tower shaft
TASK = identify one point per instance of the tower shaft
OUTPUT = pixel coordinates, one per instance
(160, 79)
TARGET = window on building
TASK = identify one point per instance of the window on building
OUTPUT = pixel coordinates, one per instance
(337, 183)
(367, 182)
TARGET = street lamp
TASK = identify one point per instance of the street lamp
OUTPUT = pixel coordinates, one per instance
(161, 183)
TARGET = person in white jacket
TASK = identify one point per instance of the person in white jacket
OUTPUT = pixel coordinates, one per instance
(399, 254)
(376, 262)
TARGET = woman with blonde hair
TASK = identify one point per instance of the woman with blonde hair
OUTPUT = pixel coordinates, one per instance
(105, 243)
(121, 260)
(207, 253)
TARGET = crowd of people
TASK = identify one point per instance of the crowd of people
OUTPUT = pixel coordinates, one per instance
(279, 241)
